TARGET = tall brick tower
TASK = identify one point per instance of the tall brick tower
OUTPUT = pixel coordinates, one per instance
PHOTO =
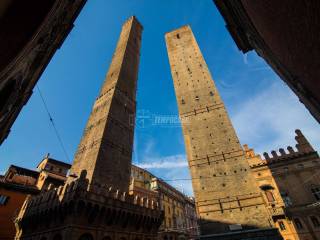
(227, 197)
(94, 203)
(106, 146)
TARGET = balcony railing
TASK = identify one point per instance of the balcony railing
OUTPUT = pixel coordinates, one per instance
(277, 212)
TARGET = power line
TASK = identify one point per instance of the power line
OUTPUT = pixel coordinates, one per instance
(53, 125)
(189, 179)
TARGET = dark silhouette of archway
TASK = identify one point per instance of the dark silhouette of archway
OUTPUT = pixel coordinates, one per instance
(86, 236)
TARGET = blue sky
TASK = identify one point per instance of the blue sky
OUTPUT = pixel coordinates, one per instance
(263, 110)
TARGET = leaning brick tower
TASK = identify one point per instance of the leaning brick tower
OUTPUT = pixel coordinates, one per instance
(94, 203)
(105, 150)
(226, 194)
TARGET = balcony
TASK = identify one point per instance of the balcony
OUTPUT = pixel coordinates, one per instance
(277, 212)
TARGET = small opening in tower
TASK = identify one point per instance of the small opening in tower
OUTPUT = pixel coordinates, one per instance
(178, 36)
(211, 93)
(182, 101)
(197, 98)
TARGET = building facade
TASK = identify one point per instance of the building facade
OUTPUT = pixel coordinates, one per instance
(30, 33)
(285, 35)
(18, 183)
(289, 181)
(226, 194)
(180, 217)
(94, 202)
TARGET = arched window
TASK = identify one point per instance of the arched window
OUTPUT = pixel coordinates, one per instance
(282, 226)
(315, 221)
(298, 223)
(86, 236)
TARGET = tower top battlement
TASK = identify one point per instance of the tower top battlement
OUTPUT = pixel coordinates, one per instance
(303, 147)
(78, 190)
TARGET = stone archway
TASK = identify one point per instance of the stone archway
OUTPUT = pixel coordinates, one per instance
(86, 236)
(57, 236)
(106, 238)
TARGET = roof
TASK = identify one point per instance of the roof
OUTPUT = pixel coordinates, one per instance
(163, 182)
(57, 162)
(144, 170)
(25, 171)
(19, 187)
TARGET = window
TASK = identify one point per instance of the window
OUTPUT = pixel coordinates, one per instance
(270, 196)
(178, 36)
(11, 174)
(282, 226)
(197, 98)
(298, 223)
(315, 221)
(316, 192)
(182, 101)
(3, 200)
(286, 199)
(300, 166)
(211, 93)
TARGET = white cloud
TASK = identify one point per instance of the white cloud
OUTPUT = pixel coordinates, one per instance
(175, 161)
(267, 121)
